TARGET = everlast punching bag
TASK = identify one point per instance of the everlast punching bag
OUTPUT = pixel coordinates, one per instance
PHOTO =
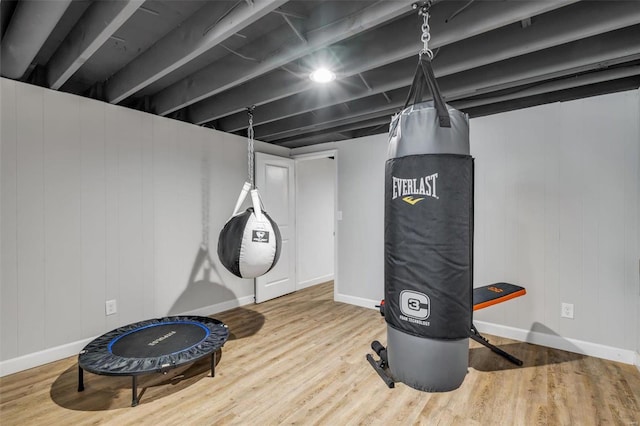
(428, 240)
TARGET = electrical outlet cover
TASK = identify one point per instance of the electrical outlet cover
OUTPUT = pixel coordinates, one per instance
(566, 310)
(110, 307)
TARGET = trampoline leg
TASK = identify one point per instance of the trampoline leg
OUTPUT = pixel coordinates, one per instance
(213, 364)
(134, 391)
(80, 379)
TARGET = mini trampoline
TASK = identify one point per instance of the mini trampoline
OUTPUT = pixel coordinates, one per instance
(152, 346)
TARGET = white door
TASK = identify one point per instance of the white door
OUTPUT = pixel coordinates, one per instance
(274, 179)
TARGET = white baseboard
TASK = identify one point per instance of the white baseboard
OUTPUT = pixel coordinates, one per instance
(548, 340)
(358, 301)
(553, 341)
(314, 281)
(46, 356)
(221, 307)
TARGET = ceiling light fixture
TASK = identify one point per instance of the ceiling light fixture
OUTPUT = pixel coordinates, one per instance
(322, 75)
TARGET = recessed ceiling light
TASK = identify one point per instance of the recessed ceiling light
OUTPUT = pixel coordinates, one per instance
(322, 75)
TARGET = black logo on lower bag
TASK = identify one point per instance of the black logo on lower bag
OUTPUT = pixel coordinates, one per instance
(260, 237)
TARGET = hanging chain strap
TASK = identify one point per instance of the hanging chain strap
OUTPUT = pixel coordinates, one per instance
(250, 145)
(426, 32)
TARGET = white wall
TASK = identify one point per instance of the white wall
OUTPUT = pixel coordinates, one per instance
(557, 211)
(315, 206)
(360, 233)
(100, 202)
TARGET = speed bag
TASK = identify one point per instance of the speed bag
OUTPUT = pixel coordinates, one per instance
(249, 246)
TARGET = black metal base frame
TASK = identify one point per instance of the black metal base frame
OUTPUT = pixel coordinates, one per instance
(475, 335)
(381, 365)
(134, 380)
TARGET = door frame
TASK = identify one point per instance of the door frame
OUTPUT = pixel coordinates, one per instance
(317, 156)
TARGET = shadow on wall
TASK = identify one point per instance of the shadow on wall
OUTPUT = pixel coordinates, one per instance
(204, 288)
(482, 359)
(204, 292)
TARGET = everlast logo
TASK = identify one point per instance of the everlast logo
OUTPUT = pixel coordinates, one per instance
(409, 188)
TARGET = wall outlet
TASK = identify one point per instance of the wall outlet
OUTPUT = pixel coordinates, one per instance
(566, 310)
(110, 307)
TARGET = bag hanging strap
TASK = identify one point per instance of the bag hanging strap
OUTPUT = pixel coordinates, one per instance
(249, 186)
(243, 194)
(424, 74)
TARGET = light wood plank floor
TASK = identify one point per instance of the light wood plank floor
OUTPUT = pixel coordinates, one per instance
(300, 359)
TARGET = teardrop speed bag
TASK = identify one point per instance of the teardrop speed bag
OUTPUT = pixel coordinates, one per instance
(249, 244)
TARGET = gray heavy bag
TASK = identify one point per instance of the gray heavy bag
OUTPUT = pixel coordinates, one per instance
(428, 241)
(249, 244)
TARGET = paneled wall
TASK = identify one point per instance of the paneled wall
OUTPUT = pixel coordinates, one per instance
(556, 209)
(100, 202)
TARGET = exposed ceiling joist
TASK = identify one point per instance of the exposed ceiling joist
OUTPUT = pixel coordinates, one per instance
(571, 88)
(611, 86)
(483, 17)
(99, 22)
(32, 22)
(501, 44)
(205, 62)
(587, 54)
(584, 55)
(553, 86)
(377, 48)
(219, 77)
(334, 134)
(272, 86)
(376, 126)
(182, 45)
(327, 120)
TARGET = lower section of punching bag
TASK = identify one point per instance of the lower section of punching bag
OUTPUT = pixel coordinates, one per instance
(431, 365)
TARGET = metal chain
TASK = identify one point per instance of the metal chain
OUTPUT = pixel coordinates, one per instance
(426, 32)
(250, 145)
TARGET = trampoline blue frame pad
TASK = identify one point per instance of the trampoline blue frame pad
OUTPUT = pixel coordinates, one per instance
(153, 345)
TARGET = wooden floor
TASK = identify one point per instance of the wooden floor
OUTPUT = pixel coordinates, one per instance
(300, 359)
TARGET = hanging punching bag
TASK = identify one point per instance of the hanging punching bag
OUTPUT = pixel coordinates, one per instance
(428, 240)
(249, 244)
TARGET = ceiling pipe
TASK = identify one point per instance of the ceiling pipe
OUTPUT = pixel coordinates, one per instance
(30, 26)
